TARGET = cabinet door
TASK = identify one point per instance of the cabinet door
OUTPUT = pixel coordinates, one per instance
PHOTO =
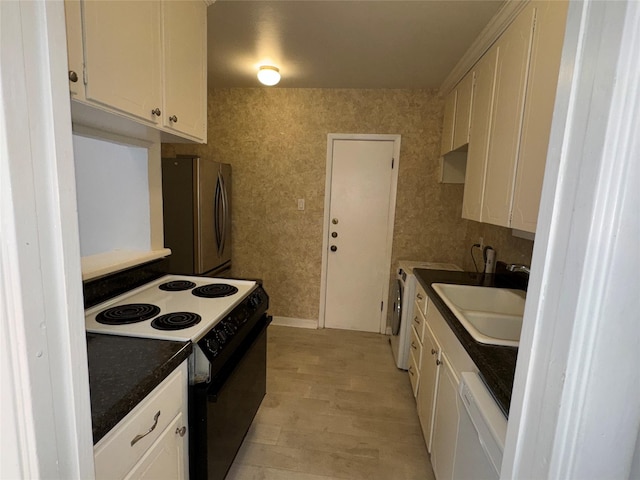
(165, 459)
(445, 423)
(429, 370)
(184, 70)
(511, 77)
(485, 74)
(123, 56)
(462, 121)
(538, 111)
(447, 127)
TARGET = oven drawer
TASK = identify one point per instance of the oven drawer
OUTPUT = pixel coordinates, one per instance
(114, 454)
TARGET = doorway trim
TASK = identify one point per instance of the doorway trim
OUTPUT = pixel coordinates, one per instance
(331, 137)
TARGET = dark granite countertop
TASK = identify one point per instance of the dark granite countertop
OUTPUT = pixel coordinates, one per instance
(124, 370)
(497, 364)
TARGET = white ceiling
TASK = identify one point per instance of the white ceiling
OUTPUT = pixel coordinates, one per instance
(342, 44)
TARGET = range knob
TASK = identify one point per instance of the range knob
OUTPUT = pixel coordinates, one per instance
(229, 328)
(221, 336)
(213, 346)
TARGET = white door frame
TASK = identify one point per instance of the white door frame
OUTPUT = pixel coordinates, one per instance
(45, 425)
(575, 410)
(331, 137)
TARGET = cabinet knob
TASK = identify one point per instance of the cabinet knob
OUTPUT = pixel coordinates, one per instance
(181, 431)
(438, 362)
(419, 296)
(433, 351)
(333, 248)
(73, 76)
(156, 111)
(173, 119)
(410, 370)
(413, 345)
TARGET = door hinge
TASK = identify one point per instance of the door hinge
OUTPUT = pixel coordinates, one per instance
(381, 306)
(393, 161)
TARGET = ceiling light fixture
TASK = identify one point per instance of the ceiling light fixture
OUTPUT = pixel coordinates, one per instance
(268, 75)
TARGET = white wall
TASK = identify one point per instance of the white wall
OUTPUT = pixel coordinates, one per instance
(112, 184)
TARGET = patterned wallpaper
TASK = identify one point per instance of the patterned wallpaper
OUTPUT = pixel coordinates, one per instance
(276, 141)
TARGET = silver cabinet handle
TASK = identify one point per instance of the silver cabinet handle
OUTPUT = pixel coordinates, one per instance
(137, 438)
(73, 76)
(181, 431)
(156, 111)
(173, 119)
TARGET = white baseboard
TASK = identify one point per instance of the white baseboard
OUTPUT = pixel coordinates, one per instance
(294, 322)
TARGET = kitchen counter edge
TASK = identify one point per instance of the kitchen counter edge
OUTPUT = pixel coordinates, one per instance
(123, 371)
(496, 364)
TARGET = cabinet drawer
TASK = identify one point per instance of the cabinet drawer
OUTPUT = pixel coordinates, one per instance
(421, 299)
(418, 323)
(114, 454)
(416, 346)
(414, 373)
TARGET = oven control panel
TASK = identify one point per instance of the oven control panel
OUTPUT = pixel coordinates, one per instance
(229, 332)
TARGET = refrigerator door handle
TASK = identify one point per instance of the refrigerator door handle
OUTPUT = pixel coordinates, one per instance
(216, 213)
(225, 215)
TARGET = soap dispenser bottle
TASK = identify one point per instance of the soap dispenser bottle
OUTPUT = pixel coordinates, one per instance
(489, 255)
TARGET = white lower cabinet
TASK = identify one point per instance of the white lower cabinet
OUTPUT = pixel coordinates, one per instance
(165, 458)
(445, 423)
(437, 401)
(429, 372)
(152, 440)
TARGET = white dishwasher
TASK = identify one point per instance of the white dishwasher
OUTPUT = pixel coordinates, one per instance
(481, 432)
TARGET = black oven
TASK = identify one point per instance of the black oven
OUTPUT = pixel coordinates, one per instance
(223, 405)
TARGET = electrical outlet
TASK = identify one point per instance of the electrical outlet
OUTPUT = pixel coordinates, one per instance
(301, 204)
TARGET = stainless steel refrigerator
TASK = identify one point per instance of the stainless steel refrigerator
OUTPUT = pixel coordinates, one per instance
(196, 196)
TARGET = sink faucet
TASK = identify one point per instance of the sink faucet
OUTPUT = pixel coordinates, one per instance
(518, 267)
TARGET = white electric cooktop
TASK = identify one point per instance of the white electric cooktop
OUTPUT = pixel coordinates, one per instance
(210, 310)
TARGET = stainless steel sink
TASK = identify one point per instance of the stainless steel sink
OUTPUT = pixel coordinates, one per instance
(491, 315)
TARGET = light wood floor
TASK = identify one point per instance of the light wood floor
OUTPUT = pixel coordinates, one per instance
(336, 408)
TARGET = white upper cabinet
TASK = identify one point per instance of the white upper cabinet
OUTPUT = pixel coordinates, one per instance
(462, 121)
(512, 108)
(123, 57)
(185, 75)
(140, 67)
(448, 123)
(538, 111)
(508, 104)
(457, 116)
(484, 75)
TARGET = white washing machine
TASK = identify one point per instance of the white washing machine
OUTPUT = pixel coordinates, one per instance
(401, 301)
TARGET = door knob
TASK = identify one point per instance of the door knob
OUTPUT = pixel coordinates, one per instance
(334, 234)
(333, 248)
(334, 221)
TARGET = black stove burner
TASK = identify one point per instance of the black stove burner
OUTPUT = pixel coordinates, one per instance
(177, 286)
(124, 314)
(176, 321)
(215, 290)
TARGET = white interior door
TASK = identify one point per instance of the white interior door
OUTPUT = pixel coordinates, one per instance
(362, 194)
